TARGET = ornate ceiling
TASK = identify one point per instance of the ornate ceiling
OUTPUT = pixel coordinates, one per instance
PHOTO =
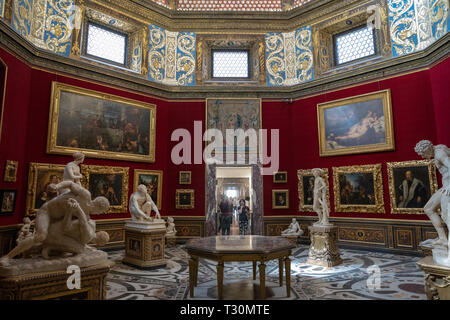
(231, 5)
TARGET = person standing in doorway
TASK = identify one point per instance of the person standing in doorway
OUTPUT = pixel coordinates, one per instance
(243, 212)
(225, 216)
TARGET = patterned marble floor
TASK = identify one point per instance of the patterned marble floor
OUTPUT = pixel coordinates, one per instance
(400, 278)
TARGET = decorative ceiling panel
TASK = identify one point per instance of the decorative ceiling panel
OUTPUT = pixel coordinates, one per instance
(232, 5)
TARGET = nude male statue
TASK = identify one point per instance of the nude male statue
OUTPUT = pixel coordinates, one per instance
(441, 199)
(72, 170)
(141, 205)
(293, 230)
(320, 205)
(76, 203)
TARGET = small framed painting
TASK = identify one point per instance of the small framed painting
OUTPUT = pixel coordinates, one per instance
(184, 199)
(280, 199)
(10, 174)
(280, 177)
(185, 177)
(7, 202)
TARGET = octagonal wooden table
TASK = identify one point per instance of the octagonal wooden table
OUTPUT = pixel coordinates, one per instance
(240, 248)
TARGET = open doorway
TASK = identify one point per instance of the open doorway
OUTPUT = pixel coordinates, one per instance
(234, 185)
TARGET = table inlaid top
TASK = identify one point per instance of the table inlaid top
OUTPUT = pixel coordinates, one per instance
(239, 244)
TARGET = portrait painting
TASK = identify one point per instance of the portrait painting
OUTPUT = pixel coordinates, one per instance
(10, 174)
(232, 113)
(108, 182)
(184, 177)
(306, 189)
(153, 180)
(40, 176)
(184, 199)
(100, 125)
(7, 201)
(358, 189)
(280, 177)
(280, 199)
(360, 124)
(411, 185)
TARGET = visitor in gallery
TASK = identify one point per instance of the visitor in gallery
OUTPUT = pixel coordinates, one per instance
(226, 217)
(244, 212)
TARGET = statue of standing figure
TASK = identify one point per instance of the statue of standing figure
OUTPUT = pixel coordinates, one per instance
(141, 205)
(72, 170)
(439, 200)
(320, 203)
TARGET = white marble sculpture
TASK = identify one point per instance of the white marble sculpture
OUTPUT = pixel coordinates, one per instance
(170, 231)
(141, 205)
(293, 230)
(64, 241)
(25, 230)
(439, 200)
(320, 204)
(72, 170)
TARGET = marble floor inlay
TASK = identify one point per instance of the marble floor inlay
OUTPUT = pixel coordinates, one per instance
(399, 278)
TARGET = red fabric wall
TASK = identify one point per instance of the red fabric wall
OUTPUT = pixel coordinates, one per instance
(25, 125)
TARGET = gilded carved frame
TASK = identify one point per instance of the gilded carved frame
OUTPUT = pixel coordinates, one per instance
(87, 170)
(159, 173)
(405, 164)
(178, 205)
(301, 173)
(189, 173)
(53, 148)
(274, 192)
(375, 170)
(10, 174)
(275, 180)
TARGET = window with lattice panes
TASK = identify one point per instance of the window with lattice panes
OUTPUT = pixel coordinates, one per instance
(354, 44)
(228, 64)
(106, 44)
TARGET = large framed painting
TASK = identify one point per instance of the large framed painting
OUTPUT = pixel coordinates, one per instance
(184, 199)
(153, 180)
(411, 184)
(358, 189)
(306, 189)
(109, 182)
(100, 125)
(7, 202)
(280, 199)
(360, 124)
(233, 113)
(40, 176)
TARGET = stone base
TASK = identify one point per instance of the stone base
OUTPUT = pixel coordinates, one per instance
(427, 247)
(437, 279)
(324, 250)
(53, 285)
(292, 239)
(144, 247)
(171, 241)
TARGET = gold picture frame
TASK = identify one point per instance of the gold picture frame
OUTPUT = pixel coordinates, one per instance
(40, 175)
(397, 169)
(368, 194)
(66, 143)
(180, 202)
(185, 177)
(276, 204)
(10, 174)
(151, 175)
(366, 117)
(306, 205)
(280, 177)
(108, 185)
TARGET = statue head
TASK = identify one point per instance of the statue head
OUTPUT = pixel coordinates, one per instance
(170, 219)
(317, 172)
(78, 156)
(101, 205)
(142, 189)
(26, 220)
(294, 220)
(425, 149)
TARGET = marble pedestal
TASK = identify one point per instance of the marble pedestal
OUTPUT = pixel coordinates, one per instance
(53, 285)
(144, 244)
(437, 279)
(292, 239)
(324, 250)
(171, 241)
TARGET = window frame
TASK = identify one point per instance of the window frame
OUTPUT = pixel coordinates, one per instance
(335, 48)
(249, 69)
(112, 30)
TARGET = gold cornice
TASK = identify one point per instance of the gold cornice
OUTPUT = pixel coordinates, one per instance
(349, 219)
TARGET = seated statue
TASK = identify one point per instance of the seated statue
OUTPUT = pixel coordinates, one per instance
(293, 230)
(170, 231)
(141, 205)
(56, 228)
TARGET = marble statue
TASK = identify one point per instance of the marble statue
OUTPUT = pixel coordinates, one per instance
(439, 200)
(72, 170)
(56, 234)
(293, 230)
(171, 232)
(320, 205)
(25, 230)
(141, 205)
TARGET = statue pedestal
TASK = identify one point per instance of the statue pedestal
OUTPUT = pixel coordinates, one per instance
(292, 239)
(53, 285)
(144, 244)
(437, 279)
(171, 241)
(324, 250)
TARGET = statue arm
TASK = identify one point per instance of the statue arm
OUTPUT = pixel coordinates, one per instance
(72, 174)
(134, 206)
(75, 188)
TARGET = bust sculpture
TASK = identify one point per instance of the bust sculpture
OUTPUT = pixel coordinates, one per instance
(57, 234)
(141, 205)
(320, 205)
(439, 200)
(170, 231)
(293, 230)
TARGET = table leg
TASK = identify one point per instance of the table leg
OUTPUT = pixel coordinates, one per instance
(288, 275)
(262, 279)
(219, 279)
(280, 270)
(254, 270)
(191, 277)
(195, 271)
